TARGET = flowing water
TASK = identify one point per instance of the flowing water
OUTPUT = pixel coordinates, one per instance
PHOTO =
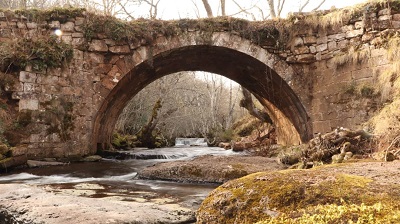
(111, 177)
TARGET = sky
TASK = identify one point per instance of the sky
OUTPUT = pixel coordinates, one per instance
(177, 9)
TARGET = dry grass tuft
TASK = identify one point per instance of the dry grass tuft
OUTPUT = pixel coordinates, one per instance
(353, 55)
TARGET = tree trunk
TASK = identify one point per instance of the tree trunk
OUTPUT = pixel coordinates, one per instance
(247, 103)
(223, 13)
(146, 134)
(271, 9)
(208, 8)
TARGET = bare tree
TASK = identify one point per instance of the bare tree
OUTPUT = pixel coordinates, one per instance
(153, 10)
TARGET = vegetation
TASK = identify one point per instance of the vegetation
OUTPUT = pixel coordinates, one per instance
(40, 53)
(386, 124)
(341, 213)
(190, 105)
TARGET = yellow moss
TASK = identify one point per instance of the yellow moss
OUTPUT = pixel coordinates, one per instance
(344, 213)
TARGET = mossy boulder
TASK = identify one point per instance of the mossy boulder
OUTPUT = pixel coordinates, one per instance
(290, 196)
(4, 149)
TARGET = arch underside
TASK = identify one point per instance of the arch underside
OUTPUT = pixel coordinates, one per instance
(272, 91)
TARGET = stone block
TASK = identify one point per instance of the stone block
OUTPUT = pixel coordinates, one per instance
(322, 47)
(396, 24)
(79, 21)
(62, 81)
(3, 24)
(122, 66)
(396, 17)
(305, 58)
(347, 28)
(27, 77)
(354, 33)
(318, 56)
(103, 68)
(77, 41)
(55, 24)
(332, 45)
(31, 87)
(32, 25)
(301, 50)
(310, 40)
(77, 34)
(28, 104)
(384, 17)
(68, 27)
(367, 37)
(120, 49)
(343, 44)
(322, 40)
(48, 79)
(94, 58)
(67, 39)
(359, 25)
(79, 29)
(313, 49)
(78, 55)
(108, 83)
(110, 42)
(12, 24)
(98, 45)
(384, 12)
(298, 41)
(21, 25)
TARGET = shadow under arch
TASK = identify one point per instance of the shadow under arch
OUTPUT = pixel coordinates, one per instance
(285, 108)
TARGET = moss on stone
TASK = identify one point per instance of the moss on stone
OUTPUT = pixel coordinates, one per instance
(290, 193)
(59, 117)
(37, 15)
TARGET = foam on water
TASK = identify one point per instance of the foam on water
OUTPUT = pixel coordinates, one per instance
(59, 179)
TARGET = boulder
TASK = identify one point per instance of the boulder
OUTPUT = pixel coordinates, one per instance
(209, 169)
(12, 162)
(327, 194)
(34, 163)
(94, 158)
(241, 146)
(225, 145)
(4, 149)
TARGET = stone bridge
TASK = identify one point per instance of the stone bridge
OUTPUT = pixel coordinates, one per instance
(305, 74)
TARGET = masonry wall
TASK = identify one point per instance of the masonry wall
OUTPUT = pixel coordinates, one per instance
(327, 89)
(342, 69)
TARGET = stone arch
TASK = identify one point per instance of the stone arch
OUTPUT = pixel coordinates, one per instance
(261, 72)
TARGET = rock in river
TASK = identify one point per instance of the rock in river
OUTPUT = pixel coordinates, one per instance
(210, 169)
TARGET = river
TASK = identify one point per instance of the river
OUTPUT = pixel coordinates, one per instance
(111, 177)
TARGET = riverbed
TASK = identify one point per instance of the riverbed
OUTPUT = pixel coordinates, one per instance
(113, 180)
